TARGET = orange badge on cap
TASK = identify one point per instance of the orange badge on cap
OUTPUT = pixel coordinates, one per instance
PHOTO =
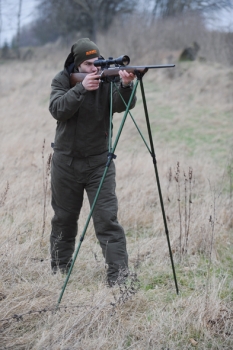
(91, 52)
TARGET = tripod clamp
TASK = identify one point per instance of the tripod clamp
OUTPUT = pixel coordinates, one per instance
(111, 156)
(139, 74)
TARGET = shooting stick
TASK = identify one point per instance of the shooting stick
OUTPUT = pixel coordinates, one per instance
(111, 156)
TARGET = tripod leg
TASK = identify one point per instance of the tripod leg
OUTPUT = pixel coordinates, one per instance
(158, 182)
(83, 234)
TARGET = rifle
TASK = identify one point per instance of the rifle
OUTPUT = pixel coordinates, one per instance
(109, 74)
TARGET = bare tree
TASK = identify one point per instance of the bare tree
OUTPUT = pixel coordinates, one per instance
(165, 8)
(100, 13)
(18, 28)
(62, 18)
(0, 23)
(91, 9)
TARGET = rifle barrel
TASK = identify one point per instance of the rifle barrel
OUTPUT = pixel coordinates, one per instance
(146, 67)
(111, 72)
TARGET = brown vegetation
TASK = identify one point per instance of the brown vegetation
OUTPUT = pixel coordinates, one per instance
(191, 109)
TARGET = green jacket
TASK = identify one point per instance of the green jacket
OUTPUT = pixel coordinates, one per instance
(83, 116)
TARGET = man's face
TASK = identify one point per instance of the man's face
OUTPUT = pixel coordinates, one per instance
(88, 66)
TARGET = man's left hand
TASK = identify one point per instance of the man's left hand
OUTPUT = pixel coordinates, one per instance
(126, 77)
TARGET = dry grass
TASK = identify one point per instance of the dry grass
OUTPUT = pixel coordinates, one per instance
(191, 118)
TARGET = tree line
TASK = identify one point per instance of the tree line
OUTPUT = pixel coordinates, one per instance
(59, 18)
(87, 18)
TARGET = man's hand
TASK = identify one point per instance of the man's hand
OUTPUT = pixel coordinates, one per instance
(91, 82)
(126, 77)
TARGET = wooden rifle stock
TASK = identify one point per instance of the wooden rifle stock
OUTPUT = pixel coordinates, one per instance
(114, 72)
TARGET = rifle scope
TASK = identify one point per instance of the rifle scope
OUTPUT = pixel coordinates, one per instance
(119, 61)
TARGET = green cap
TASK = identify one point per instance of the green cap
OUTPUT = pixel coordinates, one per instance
(84, 49)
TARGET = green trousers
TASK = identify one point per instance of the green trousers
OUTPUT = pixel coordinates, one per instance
(69, 178)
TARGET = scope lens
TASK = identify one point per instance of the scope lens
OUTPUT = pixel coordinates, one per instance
(125, 60)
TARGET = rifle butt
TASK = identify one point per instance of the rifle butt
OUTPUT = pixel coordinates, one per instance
(76, 78)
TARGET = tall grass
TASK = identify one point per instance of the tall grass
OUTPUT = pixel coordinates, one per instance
(190, 112)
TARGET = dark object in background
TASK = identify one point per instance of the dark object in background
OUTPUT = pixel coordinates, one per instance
(190, 53)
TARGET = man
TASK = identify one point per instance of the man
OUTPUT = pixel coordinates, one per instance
(80, 157)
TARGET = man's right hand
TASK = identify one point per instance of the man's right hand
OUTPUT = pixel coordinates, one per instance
(91, 81)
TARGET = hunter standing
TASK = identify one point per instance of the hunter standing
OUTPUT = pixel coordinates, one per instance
(80, 156)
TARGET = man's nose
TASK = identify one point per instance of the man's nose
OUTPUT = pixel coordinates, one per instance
(94, 68)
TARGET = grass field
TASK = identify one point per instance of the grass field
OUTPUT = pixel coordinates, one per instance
(190, 108)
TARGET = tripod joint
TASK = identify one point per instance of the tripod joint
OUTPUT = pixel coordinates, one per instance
(110, 157)
(140, 74)
(153, 157)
